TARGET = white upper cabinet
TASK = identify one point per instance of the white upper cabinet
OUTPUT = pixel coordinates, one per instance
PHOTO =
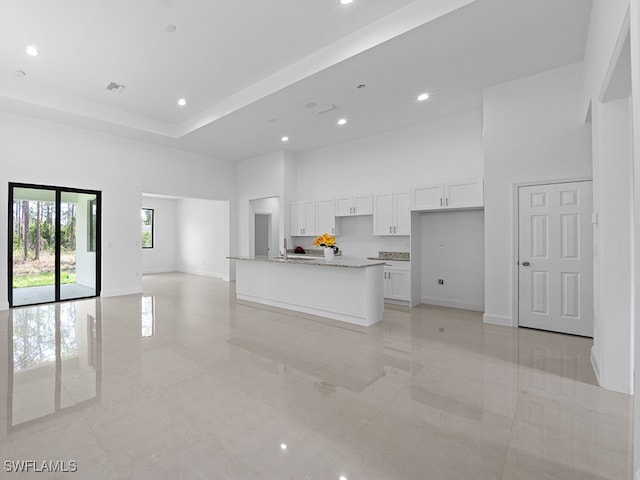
(302, 219)
(392, 214)
(325, 217)
(354, 205)
(469, 194)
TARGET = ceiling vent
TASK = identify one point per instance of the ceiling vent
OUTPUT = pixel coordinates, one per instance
(326, 109)
(115, 87)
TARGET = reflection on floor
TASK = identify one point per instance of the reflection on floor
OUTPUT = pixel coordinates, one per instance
(33, 295)
(185, 383)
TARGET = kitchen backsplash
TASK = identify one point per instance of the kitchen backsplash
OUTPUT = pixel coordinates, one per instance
(356, 238)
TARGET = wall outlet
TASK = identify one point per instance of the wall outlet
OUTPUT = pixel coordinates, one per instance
(440, 281)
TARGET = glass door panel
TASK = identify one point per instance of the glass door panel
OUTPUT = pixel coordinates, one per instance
(78, 221)
(34, 240)
(55, 254)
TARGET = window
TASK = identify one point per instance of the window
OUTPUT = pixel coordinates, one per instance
(147, 227)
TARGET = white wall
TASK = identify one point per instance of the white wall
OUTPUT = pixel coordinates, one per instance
(534, 131)
(439, 151)
(203, 239)
(85, 259)
(613, 200)
(257, 178)
(48, 153)
(453, 250)
(635, 86)
(607, 19)
(447, 149)
(162, 257)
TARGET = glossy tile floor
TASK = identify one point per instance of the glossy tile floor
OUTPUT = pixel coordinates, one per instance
(185, 383)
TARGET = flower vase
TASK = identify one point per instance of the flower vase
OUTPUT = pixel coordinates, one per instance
(329, 254)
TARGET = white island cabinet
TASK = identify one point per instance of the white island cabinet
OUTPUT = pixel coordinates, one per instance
(345, 289)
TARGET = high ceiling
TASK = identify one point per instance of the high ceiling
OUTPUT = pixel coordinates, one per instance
(253, 71)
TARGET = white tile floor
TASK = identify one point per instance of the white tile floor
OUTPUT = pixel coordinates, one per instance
(219, 387)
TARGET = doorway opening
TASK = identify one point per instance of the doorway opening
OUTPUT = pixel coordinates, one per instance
(264, 226)
(54, 254)
(263, 234)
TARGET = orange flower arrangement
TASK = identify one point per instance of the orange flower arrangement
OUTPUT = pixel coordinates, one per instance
(326, 240)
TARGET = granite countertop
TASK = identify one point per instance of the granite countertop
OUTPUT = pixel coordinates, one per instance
(344, 262)
(392, 256)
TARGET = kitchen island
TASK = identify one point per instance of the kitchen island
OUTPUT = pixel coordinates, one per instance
(346, 289)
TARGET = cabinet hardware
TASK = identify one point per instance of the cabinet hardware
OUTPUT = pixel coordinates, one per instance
(395, 230)
(446, 202)
(441, 202)
(525, 264)
(390, 231)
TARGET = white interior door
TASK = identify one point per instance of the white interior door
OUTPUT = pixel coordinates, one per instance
(555, 258)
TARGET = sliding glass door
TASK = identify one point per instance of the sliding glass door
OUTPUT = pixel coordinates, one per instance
(55, 252)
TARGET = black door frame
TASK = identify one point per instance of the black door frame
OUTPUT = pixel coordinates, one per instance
(98, 233)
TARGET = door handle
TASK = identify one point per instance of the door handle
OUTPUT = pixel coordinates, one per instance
(525, 264)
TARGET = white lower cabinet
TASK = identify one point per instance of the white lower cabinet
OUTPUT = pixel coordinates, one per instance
(397, 281)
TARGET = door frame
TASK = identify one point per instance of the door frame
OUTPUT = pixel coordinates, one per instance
(515, 284)
(58, 192)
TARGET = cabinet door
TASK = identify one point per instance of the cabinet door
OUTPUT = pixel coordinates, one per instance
(386, 284)
(465, 194)
(429, 197)
(402, 213)
(309, 219)
(383, 214)
(344, 206)
(399, 286)
(325, 217)
(363, 204)
(297, 218)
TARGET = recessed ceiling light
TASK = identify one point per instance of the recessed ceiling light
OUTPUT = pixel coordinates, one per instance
(182, 102)
(170, 28)
(285, 139)
(342, 121)
(20, 73)
(33, 51)
(422, 97)
(345, 2)
(283, 446)
(343, 477)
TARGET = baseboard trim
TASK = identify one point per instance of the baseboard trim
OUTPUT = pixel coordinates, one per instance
(596, 370)
(4, 306)
(494, 319)
(120, 293)
(202, 273)
(451, 304)
(151, 271)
